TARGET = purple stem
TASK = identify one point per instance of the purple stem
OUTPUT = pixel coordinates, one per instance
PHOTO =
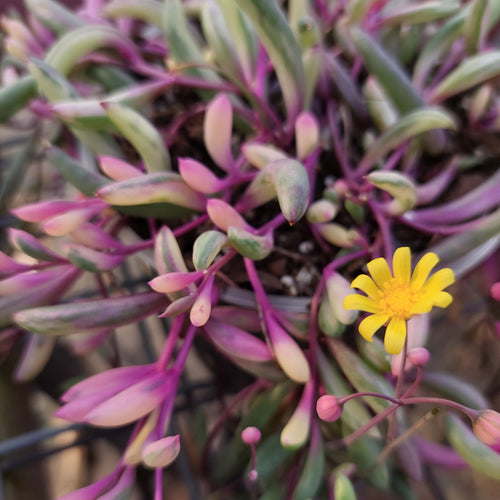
(337, 146)
(169, 346)
(385, 228)
(158, 484)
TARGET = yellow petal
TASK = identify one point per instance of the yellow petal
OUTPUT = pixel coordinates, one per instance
(361, 303)
(380, 271)
(367, 285)
(443, 299)
(423, 306)
(371, 324)
(395, 336)
(423, 268)
(438, 281)
(401, 264)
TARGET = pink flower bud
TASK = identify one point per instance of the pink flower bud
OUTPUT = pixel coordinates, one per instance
(224, 215)
(328, 408)
(250, 435)
(495, 291)
(306, 134)
(199, 177)
(162, 452)
(418, 356)
(217, 131)
(117, 169)
(487, 427)
(172, 282)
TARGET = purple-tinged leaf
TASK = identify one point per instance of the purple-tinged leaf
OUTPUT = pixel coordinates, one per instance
(117, 169)
(161, 187)
(173, 282)
(237, 342)
(202, 307)
(199, 177)
(31, 246)
(92, 260)
(36, 352)
(8, 265)
(161, 453)
(250, 245)
(93, 236)
(64, 319)
(217, 131)
(224, 215)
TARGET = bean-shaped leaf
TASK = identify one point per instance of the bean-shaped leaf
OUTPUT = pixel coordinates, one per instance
(282, 47)
(410, 125)
(469, 73)
(63, 319)
(474, 452)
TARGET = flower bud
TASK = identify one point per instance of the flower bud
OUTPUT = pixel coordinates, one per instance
(418, 356)
(487, 427)
(328, 408)
(162, 452)
(250, 435)
(495, 290)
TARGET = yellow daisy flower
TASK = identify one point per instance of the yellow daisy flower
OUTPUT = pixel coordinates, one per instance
(393, 298)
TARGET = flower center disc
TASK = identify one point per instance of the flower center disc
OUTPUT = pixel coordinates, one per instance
(398, 298)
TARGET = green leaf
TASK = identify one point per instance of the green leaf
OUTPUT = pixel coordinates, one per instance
(456, 389)
(141, 133)
(424, 12)
(473, 25)
(71, 47)
(183, 48)
(344, 489)
(312, 471)
(360, 375)
(469, 73)
(437, 46)
(75, 173)
(64, 319)
(407, 127)
(387, 71)
(148, 11)
(354, 414)
(159, 187)
(250, 245)
(282, 47)
(16, 96)
(479, 456)
(270, 456)
(206, 247)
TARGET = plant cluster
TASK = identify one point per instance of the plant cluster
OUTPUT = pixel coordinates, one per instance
(255, 157)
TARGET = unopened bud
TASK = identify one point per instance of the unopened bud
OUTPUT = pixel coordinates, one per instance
(487, 427)
(250, 435)
(328, 408)
(418, 356)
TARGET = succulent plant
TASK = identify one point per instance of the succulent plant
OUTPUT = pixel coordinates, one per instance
(251, 158)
